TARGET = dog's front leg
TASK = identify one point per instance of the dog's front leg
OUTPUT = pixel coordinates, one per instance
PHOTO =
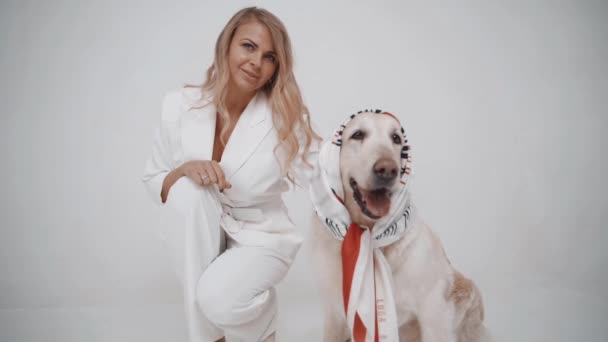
(438, 328)
(436, 318)
(410, 331)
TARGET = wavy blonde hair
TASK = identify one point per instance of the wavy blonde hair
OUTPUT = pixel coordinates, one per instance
(290, 116)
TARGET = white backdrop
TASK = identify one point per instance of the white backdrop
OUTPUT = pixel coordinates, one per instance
(505, 104)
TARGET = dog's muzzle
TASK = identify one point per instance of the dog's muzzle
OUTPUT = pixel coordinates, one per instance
(385, 172)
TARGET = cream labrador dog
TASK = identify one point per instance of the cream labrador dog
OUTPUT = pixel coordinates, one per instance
(433, 301)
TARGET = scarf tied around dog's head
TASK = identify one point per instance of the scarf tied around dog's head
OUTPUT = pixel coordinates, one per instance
(366, 276)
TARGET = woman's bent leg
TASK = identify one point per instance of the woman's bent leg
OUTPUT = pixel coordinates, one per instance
(196, 246)
(237, 293)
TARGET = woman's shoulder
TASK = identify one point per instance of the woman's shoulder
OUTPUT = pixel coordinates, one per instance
(178, 101)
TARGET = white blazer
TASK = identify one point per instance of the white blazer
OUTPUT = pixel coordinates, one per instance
(253, 212)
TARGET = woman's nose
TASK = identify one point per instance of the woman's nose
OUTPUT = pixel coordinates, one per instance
(255, 60)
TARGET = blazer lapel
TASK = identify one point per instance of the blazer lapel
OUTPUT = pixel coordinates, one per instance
(253, 125)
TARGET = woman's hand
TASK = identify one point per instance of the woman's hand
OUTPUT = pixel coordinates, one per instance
(205, 172)
(202, 172)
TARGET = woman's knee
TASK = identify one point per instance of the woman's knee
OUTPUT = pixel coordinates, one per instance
(186, 195)
(224, 307)
(215, 302)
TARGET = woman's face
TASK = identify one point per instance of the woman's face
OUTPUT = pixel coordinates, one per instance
(251, 59)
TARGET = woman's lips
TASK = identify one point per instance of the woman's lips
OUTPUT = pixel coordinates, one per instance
(250, 74)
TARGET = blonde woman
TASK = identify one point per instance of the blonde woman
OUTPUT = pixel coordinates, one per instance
(224, 154)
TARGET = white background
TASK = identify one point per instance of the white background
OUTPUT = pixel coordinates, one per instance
(505, 104)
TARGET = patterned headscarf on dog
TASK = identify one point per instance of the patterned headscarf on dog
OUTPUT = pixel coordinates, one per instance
(367, 282)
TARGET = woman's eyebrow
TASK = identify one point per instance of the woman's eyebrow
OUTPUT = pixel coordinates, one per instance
(252, 42)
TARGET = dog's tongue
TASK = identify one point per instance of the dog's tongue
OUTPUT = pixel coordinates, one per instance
(378, 202)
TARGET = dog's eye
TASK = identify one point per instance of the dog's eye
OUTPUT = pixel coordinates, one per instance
(397, 139)
(358, 135)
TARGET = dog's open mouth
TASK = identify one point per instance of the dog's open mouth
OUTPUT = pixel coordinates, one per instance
(374, 203)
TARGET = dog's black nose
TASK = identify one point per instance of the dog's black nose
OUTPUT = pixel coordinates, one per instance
(385, 170)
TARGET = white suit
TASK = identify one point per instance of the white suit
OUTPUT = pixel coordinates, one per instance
(225, 292)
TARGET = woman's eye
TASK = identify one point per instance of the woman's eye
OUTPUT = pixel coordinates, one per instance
(397, 139)
(271, 58)
(358, 135)
(248, 46)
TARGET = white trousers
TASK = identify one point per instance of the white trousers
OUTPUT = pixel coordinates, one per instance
(228, 286)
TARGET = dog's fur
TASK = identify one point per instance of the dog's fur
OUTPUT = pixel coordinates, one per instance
(434, 301)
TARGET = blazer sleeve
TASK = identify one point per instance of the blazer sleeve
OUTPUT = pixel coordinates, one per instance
(161, 162)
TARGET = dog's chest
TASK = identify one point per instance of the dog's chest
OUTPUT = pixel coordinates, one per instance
(408, 292)
(413, 275)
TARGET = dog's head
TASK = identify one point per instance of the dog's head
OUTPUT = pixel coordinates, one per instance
(370, 166)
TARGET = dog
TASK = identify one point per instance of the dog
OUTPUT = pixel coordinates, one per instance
(433, 301)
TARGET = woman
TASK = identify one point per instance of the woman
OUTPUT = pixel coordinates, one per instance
(221, 160)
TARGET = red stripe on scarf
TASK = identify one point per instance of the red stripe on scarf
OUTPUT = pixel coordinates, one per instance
(337, 197)
(350, 253)
(359, 331)
(394, 117)
(376, 337)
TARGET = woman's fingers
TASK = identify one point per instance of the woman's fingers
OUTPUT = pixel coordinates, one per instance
(204, 177)
(206, 172)
(210, 171)
(221, 177)
(196, 172)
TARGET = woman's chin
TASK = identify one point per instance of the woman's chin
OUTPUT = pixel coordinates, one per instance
(244, 85)
(246, 88)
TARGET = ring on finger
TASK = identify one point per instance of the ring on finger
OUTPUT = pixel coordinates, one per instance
(204, 177)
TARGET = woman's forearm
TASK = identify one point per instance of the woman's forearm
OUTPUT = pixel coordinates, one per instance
(170, 179)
